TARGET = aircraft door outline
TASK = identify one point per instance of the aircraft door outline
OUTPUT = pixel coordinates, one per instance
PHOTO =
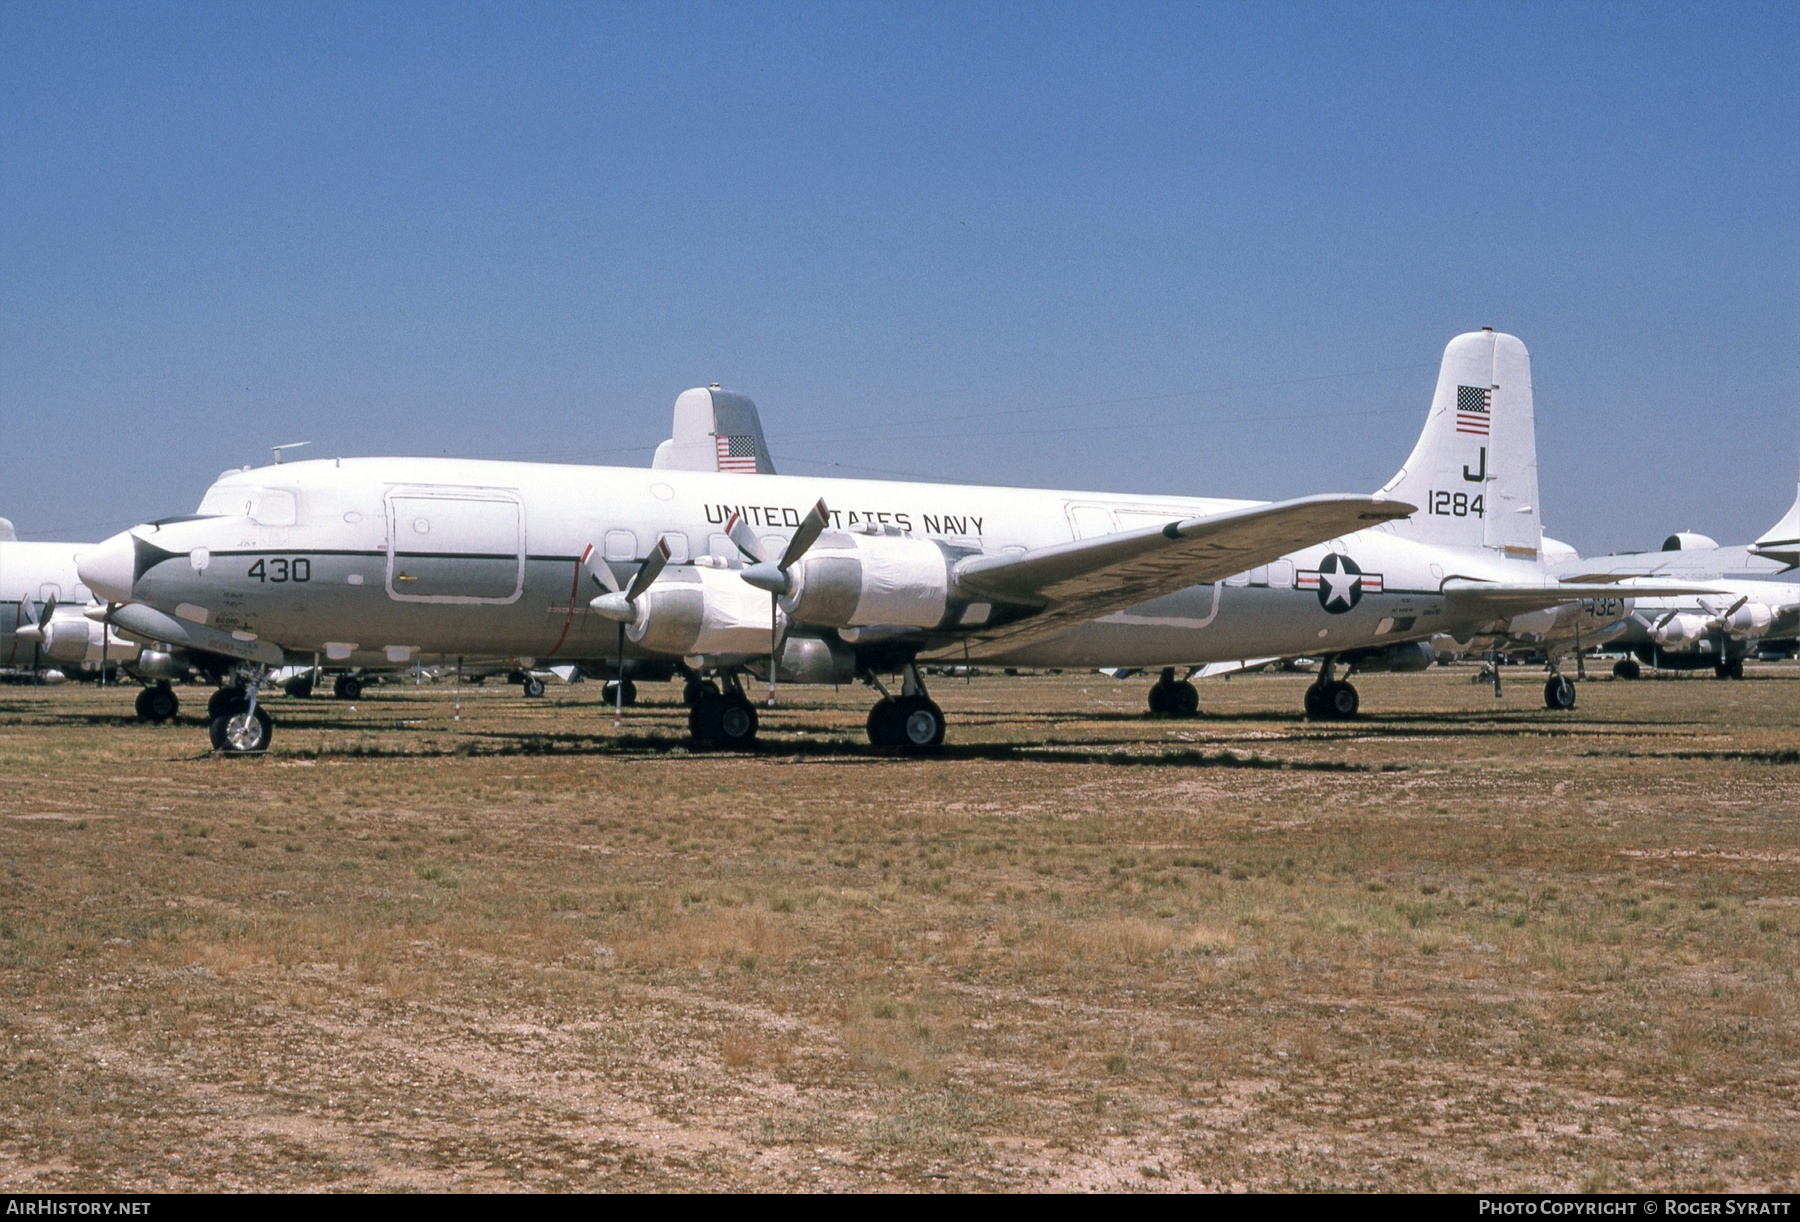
(455, 545)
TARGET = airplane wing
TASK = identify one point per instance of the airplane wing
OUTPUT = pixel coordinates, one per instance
(1088, 578)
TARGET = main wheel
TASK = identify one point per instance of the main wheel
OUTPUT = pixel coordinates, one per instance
(1159, 699)
(300, 686)
(242, 732)
(347, 687)
(1341, 701)
(1626, 668)
(1559, 693)
(143, 705)
(737, 723)
(1315, 702)
(610, 693)
(1184, 699)
(696, 690)
(226, 700)
(534, 686)
(159, 703)
(886, 724)
(921, 724)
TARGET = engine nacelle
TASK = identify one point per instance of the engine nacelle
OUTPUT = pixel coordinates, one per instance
(162, 664)
(1681, 631)
(808, 659)
(1404, 657)
(66, 640)
(1751, 619)
(851, 581)
(718, 614)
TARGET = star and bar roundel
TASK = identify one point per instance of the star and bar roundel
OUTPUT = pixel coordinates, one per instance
(1340, 583)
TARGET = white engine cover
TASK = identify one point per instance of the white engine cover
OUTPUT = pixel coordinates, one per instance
(721, 614)
(854, 581)
(78, 639)
(1751, 620)
(1684, 629)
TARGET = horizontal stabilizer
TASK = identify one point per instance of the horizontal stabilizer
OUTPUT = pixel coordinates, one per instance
(1471, 599)
(1088, 578)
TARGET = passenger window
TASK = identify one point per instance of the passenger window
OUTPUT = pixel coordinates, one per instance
(678, 547)
(720, 547)
(48, 591)
(1281, 574)
(621, 545)
(274, 507)
(1238, 579)
(1259, 576)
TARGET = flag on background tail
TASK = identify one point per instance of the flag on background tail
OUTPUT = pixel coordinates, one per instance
(1474, 406)
(737, 453)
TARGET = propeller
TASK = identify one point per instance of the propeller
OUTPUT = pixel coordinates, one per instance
(620, 606)
(772, 575)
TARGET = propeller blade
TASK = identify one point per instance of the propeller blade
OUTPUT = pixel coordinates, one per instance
(745, 538)
(1735, 607)
(598, 571)
(811, 527)
(1664, 621)
(651, 569)
(49, 610)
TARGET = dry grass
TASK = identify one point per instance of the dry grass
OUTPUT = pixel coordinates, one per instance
(1461, 943)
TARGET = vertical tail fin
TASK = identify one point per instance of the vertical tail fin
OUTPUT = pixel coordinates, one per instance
(715, 430)
(1781, 541)
(1473, 473)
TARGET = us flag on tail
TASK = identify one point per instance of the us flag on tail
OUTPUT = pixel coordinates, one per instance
(737, 453)
(1474, 408)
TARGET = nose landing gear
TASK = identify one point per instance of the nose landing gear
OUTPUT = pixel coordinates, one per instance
(239, 726)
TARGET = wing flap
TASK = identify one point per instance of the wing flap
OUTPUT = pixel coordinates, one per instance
(1088, 578)
(1467, 598)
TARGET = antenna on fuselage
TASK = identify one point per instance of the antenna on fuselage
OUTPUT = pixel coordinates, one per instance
(292, 445)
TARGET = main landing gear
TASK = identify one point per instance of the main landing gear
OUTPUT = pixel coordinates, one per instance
(721, 718)
(158, 704)
(347, 687)
(239, 726)
(911, 721)
(1330, 699)
(1172, 697)
(1733, 669)
(610, 693)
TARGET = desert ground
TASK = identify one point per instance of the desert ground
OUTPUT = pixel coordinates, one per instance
(1460, 943)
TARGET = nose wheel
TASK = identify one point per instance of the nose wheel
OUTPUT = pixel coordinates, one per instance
(1559, 693)
(239, 726)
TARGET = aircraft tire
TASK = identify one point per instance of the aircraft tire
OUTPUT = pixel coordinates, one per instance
(236, 733)
(1315, 702)
(225, 700)
(1559, 693)
(921, 724)
(886, 725)
(1341, 701)
(347, 687)
(610, 693)
(1730, 670)
(1625, 668)
(696, 690)
(300, 687)
(143, 705)
(1184, 699)
(737, 723)
(532, 685)
(1159, 700)
(159, 703)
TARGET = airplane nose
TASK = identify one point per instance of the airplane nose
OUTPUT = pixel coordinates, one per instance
(110, 568)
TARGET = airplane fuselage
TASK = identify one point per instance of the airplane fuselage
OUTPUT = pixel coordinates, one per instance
(411, 557)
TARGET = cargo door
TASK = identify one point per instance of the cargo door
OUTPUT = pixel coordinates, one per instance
(454, 546)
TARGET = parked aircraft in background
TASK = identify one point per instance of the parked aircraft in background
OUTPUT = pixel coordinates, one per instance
(822, 580)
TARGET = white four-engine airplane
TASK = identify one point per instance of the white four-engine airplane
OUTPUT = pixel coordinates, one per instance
(834, 578)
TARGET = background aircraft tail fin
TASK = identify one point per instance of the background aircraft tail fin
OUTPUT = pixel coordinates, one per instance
(715, 430)
(1473, 473)
(1782, 540)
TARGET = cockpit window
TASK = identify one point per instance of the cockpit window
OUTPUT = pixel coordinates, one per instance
(267, 506)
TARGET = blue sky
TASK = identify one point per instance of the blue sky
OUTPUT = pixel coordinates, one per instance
(1210, 250)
